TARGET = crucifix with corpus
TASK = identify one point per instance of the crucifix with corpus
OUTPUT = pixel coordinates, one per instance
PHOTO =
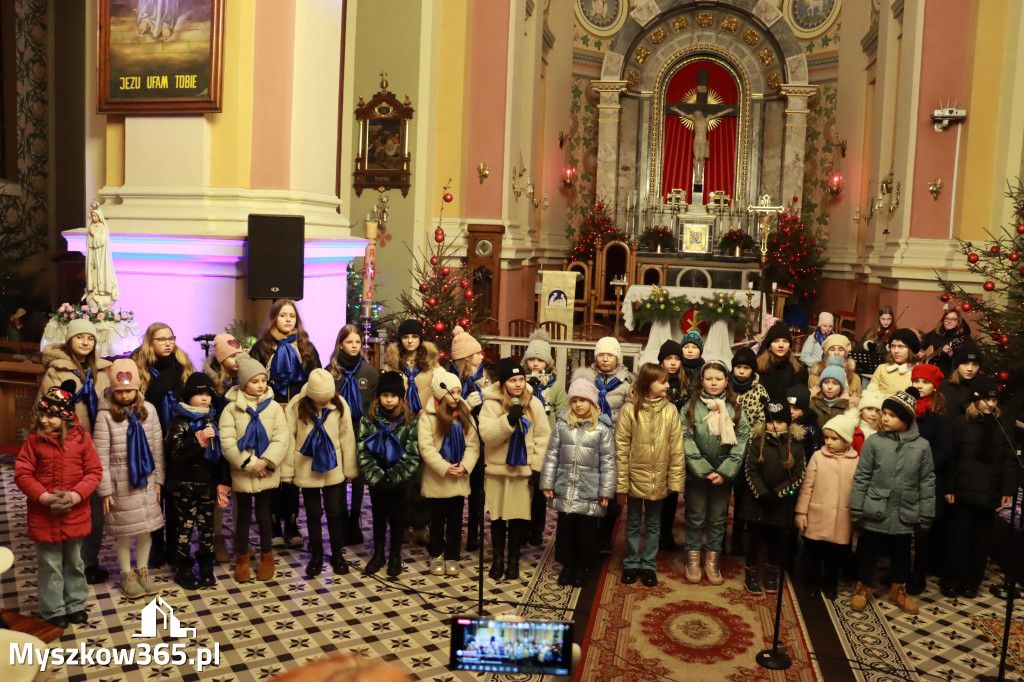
(764, 212)
(700, 113)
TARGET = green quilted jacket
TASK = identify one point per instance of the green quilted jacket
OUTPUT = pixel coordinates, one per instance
(399, 474)
(705, 453)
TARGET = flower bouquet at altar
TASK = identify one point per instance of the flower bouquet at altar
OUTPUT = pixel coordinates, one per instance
(658, 239)
(735, 242)
(116, 330)
(659, 306)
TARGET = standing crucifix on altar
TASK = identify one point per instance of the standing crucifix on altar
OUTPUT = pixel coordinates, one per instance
(700, 116)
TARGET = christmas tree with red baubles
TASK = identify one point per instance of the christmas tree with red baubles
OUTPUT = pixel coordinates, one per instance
(597, 227)
(998, 312)
(795, 257)
(444, 296)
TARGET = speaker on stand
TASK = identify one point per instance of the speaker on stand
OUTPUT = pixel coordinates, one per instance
(275, 256)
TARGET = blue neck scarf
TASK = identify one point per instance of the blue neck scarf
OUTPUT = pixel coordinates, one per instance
(164, 406)
(819, 337)
(539, 393)
(603, 390)
(198, 421)
(384, 444)
(318, 445)
(516, 455)
(470, 384)
(87, 393)
(453, 446)
(350, 390)
(413, 394)
(286, 366)
(255, 437)
(140, 457)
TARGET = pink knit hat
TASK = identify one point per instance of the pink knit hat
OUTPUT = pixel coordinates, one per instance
(124, 373)
(463, 345)
(581, 388)
(226, 346)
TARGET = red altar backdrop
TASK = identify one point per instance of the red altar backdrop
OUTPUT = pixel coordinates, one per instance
(677, 160)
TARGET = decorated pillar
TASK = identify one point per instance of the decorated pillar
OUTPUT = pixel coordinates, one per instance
(795, 141)
(608, 107)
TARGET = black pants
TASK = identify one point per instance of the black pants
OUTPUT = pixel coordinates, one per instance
(388, 506)
(476, 494)
(872, 545)
(668, 514)
(513, 529)
(968, 528)
(538, 507)
(764, 535)
(576, 540)
(243, 516)
(334, 504)
(285, 503)
(446, 527)
(194, 505)
(824, 559)
(94, 540)
(606, 526)
(164, 538)
(356, 506)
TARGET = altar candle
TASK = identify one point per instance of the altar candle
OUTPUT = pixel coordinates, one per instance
(775, 285)
(750, 285)
(370, 262)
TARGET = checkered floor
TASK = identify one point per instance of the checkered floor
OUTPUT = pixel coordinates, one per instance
(266, 628)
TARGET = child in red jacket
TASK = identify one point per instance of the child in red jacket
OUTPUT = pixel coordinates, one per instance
(58, 469)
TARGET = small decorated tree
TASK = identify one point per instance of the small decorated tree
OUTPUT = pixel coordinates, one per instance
(795, 257)
(999, 313)
(597, 226)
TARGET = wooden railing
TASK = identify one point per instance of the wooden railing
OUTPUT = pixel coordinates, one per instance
(569, 355)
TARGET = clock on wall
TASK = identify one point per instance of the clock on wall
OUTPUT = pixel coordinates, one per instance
(484, 262)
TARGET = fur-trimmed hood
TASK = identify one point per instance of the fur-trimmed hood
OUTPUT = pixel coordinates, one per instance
(795, 429)
(393, 357)
(817, 368)
(55, 356)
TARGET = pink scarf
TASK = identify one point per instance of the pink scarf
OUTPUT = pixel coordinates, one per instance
(718, 421)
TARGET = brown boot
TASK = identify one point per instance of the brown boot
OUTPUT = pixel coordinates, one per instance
(693, 566)
(265, 571)
(242, 572)
(861, 594)
(220, 550)
(711, 568)
(898, 596)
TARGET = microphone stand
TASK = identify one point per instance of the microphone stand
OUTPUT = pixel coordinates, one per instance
(776, 658)
(1010, 574)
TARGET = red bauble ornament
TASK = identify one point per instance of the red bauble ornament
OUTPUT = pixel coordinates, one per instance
(1014, 257)
(1004, 376)
(468, 293)
(819, 251)
(994, 325)
(444, 288)
(423, 288)
(966, 306)
(995, 249)
(1020, 228)
(464, 322)
(973, 258)
(599, 207)
(446, 271)
(433, 260)
(464, 283)
(989, 286)
(448, 197)
(945, 298)
(1022, 272)
(995, 337)
(431, 301)
(1004, 339)
(439, 327)
(439, 236)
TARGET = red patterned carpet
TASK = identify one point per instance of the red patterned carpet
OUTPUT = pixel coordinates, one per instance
(680, 631)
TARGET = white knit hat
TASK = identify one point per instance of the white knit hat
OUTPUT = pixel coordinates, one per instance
(442, 382)
(826, 318)
(609, 344)
(871, 397)
(844, 425)
(540, 347)
(320, 386)
(80, 326)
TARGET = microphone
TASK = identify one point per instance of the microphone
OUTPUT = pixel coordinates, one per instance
(204, 337)
(519, 422)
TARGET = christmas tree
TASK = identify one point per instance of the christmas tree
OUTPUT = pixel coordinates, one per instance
(444, 297)
(794, 257)
(597, 226)
(1000, 311)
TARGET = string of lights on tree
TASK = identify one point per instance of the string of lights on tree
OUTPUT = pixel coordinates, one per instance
(1000, 311)
(795, 256)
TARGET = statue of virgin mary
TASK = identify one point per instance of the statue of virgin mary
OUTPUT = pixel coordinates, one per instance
(100, 279)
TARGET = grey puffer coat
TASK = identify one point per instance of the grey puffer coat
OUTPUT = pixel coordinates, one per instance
(894, 485)
(135, 510)
(580, 466)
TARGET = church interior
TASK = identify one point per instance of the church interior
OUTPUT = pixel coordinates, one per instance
(507, 181)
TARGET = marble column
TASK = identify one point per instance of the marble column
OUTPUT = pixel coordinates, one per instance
(797, 98)
(608, 139)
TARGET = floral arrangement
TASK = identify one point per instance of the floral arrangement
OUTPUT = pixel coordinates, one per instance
(733, 238)
(721, 306)
(656, 236)
(67, 312)
(659, 306)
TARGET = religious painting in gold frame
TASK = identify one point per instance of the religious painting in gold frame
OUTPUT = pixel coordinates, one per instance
(695, 238)
(383, 160)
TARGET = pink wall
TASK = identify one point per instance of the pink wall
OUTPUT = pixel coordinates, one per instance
(944, 59)
(273, 68)
(485, 137)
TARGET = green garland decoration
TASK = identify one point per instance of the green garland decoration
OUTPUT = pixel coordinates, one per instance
(659, 306)
(721, 306)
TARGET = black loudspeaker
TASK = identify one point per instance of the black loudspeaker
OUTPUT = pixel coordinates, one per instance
(275, 256)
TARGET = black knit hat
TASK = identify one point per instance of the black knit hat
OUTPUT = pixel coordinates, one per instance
(909, 339)
(744, 356)
(670, 347)
(508, 368)
(903, 404)
(969, 352)
(778, 411)
(779, 330)
(197, 382)
(391, 382)
(799, 396)
(410, 327)
(984, 387)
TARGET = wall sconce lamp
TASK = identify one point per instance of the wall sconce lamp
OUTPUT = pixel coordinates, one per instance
(885, 186)
(568, 177)
(517, 173)
(562, 139)
(935, 188)
(895, 203)
(483, 171)
(834, 183)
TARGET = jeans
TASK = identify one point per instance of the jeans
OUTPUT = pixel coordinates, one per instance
(707, 508)
(243, 516)
(334, 505)
(62, 585)
(651, 511)
(446, 527)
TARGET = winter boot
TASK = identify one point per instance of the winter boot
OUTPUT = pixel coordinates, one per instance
(220, 550)
(292, 537)
(316, 563)
(266, 569)
(146, 580)
(771, 579)
(693, 566)
(395, 564)
(861, 594)
(376, 561)
(517, 532)
(130, 587)
(338, 563)
(183, 574)
(242, 572)
(751, 580)
(898, 596)
(711, 568)
(498, 532)
(206, 578)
